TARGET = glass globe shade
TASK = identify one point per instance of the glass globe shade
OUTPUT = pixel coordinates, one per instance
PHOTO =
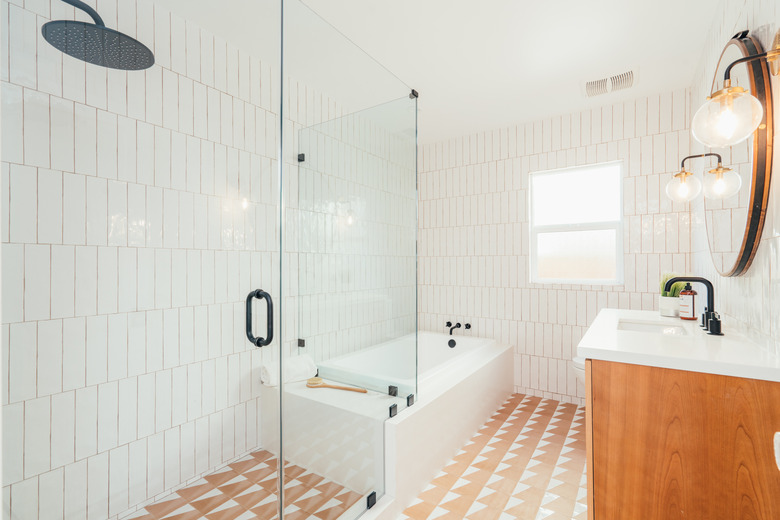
(721, 185)
(730, 116)
(683, 188)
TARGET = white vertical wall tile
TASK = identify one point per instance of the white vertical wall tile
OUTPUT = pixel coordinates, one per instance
(37, 287)
(49, 370)
(76, 490)
(63, 416)
(37, 430)
(49, 207)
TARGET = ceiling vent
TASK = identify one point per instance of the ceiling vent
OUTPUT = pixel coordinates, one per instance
(609, 84)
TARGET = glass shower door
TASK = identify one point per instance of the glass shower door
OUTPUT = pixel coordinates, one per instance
(349, 266)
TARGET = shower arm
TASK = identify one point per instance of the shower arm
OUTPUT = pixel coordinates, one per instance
(78, 4)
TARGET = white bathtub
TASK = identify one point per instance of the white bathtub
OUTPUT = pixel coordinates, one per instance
(393, 362)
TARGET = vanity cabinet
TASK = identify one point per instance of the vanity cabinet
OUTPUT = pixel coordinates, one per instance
(672, 444)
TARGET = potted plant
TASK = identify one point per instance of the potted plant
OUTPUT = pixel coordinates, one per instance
(669, 301)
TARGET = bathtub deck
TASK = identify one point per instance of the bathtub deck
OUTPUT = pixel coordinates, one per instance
(372, 405)
(527, 461)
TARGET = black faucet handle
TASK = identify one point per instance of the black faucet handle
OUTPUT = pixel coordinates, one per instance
(468, 326)
(449, 324)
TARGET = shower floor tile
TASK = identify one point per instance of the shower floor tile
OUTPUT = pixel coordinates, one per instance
(526, 462)
(247, 489)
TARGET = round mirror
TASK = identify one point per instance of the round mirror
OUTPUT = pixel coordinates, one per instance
(734, 224)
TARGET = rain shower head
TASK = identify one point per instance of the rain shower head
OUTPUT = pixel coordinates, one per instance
(96, 43)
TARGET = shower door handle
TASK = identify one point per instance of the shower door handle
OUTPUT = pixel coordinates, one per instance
(269, 336)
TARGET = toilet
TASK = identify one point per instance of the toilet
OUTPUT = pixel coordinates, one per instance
(578, 366)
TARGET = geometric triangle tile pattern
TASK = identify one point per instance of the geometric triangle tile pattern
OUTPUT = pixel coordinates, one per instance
(526, 462)
(247, 490)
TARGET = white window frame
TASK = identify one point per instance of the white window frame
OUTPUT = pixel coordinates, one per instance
(617, 225)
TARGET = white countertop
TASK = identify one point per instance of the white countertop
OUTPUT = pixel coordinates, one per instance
(732, 354)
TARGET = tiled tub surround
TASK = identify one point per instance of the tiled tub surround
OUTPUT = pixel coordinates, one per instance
(751, 301)
(474, 240)
(139, 209)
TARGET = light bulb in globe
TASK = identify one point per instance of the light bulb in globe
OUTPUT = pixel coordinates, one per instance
(683, 187)
(729, 116)
(721, 183)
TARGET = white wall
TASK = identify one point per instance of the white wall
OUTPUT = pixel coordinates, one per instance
(355, 231)
(127, 252)
(474, 230)
(751, 300)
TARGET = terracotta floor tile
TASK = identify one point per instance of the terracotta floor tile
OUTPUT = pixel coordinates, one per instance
(236, 488)
(349, 498)
(251, 499)
(190, 515)
(230, 513)
(161, 509)
(220, 478)
(209, 504)
(266, 511)
(511, 480)
(420, 511)
(330, 514)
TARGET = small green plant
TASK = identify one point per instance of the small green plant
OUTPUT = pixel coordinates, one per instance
(674, 292)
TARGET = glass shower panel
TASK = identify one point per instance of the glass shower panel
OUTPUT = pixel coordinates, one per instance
(349, 266)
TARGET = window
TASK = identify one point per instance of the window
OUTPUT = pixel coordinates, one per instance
(577, 225)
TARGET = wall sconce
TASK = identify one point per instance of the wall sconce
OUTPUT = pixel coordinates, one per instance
(719, 183)
(731, 115)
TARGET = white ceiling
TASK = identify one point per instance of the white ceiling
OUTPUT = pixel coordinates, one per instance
(478, 64)
(482, 64)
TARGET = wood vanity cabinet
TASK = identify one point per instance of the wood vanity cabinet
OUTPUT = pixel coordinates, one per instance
(670, 444)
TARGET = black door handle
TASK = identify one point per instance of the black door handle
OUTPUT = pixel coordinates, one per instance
(260, 342)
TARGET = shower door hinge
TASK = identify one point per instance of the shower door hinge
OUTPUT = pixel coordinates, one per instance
(413, 94)
(392, 391)
(371, 500)
(409, 400)
(393, 410)
(301, 343)
(301, 157)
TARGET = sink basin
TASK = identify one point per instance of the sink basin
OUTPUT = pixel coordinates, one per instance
(654, 327)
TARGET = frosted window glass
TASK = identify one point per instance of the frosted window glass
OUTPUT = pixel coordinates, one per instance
(577, 255)
(575, 196)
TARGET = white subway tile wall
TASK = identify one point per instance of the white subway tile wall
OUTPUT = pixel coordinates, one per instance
(139, 208)
(751, 300)
(355, 228)
(474, 230)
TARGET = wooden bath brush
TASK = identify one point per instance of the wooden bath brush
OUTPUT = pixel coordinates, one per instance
(317, 382)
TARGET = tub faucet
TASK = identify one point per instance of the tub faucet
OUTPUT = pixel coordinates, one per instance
(710, 321)
(456, 326)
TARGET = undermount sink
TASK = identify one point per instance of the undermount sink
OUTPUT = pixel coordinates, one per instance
(652, 327)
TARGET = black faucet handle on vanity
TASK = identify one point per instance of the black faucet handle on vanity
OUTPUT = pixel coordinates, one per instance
(710, 320)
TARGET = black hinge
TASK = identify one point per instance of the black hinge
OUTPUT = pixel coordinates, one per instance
(413, 94)
(409, 400)
(393, 410)
(392, 390)
(301, 342)
(301, 157)
(371, 500)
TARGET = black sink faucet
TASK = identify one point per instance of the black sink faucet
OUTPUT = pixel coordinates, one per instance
(709, 314)
(451, 326)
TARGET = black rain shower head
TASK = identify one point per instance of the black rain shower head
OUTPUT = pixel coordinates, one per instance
(96, 43)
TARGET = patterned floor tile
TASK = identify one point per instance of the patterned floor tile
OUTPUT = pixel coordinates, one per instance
(527, 461)
(246, 490)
